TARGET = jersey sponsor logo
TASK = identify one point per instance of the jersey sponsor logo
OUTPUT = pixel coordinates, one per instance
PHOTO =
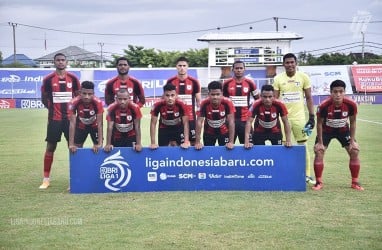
(115, 171)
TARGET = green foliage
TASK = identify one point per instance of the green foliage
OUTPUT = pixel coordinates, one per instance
(16, 65)
(338, 59)
(336, 217)
(141, 58)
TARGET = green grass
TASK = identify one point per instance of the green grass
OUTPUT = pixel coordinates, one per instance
(334, 218)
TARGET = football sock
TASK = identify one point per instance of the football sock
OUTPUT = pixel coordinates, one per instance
(354, 166)
(318, 169)
(48, 160)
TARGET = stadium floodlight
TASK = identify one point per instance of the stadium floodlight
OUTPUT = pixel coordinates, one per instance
(359, 23)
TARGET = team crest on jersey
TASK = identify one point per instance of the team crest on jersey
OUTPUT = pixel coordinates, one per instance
(129, 118)
(92, 112)
(130, 90)
(69, 85)
(273, 115)
(189, 87)
(345, 113)
(298, 84)
(176, 114)
(222, 113)
(245, 90)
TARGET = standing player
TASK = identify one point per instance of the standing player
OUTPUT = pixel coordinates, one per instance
(124, 81)
(123, 123)
(292, 87)
(333, 115)
(188, 90)
(266, 113)
(173, 127)
(240, 89)
(218, 111)
(57, 89)
(86, 117)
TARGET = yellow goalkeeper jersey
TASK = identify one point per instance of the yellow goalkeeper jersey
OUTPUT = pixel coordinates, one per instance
(292, 92)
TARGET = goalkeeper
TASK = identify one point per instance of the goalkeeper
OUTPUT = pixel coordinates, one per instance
(292, 87)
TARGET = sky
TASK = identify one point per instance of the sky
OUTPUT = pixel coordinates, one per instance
(170, 25)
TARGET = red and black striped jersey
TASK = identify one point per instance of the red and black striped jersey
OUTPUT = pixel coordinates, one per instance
(187, 90)
(336, 118)
(59, 91)
(132, 85)
(86, 112)
(216, 117)
(240, 93)
(123, 119)
(170, 116)
(267, 118)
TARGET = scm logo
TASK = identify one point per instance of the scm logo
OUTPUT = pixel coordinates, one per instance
(186, 176)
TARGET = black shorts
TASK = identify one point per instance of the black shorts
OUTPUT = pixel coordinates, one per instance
(55, 130)
(240, 130)
(210, 140)
(123, 142)
(260, 138)
(165, 135)
(343, 138)
(81, 134)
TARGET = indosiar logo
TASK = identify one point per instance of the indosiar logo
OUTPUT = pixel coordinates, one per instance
(115, 171)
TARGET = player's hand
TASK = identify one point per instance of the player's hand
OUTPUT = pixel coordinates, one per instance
(319, 147)
(311, 122)
(137, 147)
(96, 148)
(154, 146)
(248, 145)
(288, 144)
(108, 148)
(198, 146)
(72, 149)
(307, 131)
(185, 144)
(229, 145)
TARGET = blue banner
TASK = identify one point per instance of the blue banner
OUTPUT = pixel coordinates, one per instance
(152, 80)
(262, 168)
(24, 83)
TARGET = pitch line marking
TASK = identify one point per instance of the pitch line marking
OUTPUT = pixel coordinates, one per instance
(379, 123)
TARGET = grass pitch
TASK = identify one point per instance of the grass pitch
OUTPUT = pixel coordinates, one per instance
(336, 217)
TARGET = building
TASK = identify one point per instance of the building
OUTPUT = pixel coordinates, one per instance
(77, 57)
(20, 59)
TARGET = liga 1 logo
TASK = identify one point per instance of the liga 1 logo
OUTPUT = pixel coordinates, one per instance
(115, 171)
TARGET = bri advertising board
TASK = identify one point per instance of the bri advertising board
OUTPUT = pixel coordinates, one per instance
(262, 168)
(152, 80)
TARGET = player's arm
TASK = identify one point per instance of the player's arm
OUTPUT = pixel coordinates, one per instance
(138, 144)
(247, 132)
(353, 127)
(198, 98)
(309, 104)
(109, 94)
(72, 131)
(108, 147)
(231, 130)
(153, 124)
(141, 95)
(186, 132)
(198, 131)
(44, 94)
(100, 133)
(319, 146)
(287, 131)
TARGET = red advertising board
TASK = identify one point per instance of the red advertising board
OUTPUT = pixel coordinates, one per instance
(367, 78)
(7, 103)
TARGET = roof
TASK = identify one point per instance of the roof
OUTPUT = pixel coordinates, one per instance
(20, 58)
(72, 53)
(249, 36)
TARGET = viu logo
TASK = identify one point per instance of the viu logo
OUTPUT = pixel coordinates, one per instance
(115, 171)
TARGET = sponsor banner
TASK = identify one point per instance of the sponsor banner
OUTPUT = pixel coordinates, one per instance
(152, 80)
(7, 103)
(29, 104)
(262, 168)
(16, 83)
(367, 78)
(322, 77)
(359, 99)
